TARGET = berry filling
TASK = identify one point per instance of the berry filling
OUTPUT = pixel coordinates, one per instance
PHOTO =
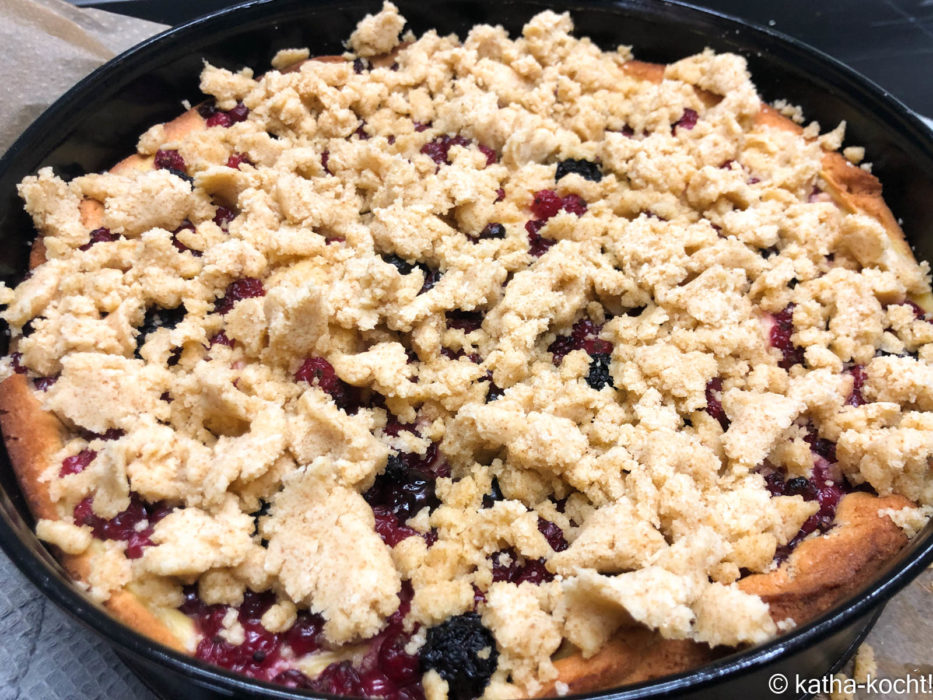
(553, 534)
(687, 121)
(99, 235)
(238, 159)
(544, 205)
(858, 383)
(781, 331)
(583, 336)
(438, 149)
(386, 670)
(224, 118)
(319, 372)
(244, 288)
(403, 489)
(223, 216)
(714, 402)
(133, 525)
(466, 321)
(514, 568)
(172, 161)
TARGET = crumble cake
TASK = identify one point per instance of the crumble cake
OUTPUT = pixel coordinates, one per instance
(498, 368)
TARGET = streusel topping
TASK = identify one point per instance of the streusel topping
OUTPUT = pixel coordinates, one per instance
(578, 314)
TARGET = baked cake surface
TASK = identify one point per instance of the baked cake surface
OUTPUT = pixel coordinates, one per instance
(495, 367)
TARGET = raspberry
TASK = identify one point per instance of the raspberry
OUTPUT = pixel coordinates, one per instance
(687, 121)
(584, 168)
(583, 336)
(172, 161)
(509, 566)
(538, 245)
(491, 156)
(238, 159)
(546, 203)
(453, 650)
(439, 148)
(77, 463)
(244, 288)
(219, 117)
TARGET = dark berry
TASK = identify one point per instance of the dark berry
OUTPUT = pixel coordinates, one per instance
(77, 463)
(495, 494)
(156, 318)
(359, 65)
(538, 245)
(800, 486)
(16, 362)
(238, 159)
(126, 525)
(307, 634)
(229, 117)
(583, 336)
(325, 158)
(858, 383)
(688, 120)
(491, 156)
(714, 402)
(599, 376)
(99, 235)
(361, 132)
(43, 383)
(507, 565)
(584, 168)
(781, 332)
(493, 393)
(452, 649)
(492, 231)
(553, 534)
(223, 216)
(319, 372)
(244, 288)
(627, 132)
(431, 277)
(170, 160)
(403, 266)
(422, 126)
(500, 194)
(438, 148)
(466, 321)
(220, 338)
(574, 204)
(339, 679)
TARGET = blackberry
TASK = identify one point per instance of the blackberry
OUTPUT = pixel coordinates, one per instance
(156, 318)
(452, 649)
(493, 230)
(599, 376)
(584, 168)
(800, 486)
(495, 494)
(403, 266)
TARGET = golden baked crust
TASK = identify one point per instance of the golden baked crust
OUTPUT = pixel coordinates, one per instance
(818, 573)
